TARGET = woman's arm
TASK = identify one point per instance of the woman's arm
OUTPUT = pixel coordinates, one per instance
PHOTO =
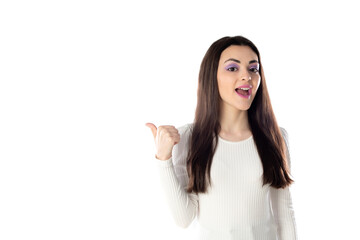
(174, 179)
(282, 205)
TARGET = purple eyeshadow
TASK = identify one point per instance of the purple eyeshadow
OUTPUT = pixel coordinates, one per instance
(255, 67)
(233, 65)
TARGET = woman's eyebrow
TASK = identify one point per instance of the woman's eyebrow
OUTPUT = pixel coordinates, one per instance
(238, 61)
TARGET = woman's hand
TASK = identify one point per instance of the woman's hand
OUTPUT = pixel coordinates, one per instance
(165, 137)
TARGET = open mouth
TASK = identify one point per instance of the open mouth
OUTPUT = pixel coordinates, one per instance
(243, 92)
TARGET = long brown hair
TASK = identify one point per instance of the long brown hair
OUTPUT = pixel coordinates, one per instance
(206, 127)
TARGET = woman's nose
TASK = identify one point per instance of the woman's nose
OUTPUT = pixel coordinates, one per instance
(245, 76)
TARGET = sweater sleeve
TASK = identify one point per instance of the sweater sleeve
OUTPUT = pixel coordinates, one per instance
(282, 205)
(174, 180)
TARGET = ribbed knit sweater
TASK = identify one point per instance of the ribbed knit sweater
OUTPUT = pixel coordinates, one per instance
(236, 205)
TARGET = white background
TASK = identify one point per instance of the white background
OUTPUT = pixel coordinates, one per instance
(79, 79)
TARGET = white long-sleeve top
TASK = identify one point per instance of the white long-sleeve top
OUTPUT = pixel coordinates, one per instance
(236, 206)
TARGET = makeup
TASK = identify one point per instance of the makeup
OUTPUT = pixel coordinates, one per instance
(253, 67)
(232, 65)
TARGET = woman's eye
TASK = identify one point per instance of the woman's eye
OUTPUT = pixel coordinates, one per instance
(232, 69)
(255, 70)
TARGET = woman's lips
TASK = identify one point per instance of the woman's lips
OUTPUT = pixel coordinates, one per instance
(243, 93)
(245, 86)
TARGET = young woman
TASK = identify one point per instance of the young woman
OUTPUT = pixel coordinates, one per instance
(231, 167)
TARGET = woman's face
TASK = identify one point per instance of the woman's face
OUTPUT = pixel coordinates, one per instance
(238, 67)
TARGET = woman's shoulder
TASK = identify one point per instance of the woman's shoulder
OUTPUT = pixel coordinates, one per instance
(185, 128)
(284, 134)
(283, 130)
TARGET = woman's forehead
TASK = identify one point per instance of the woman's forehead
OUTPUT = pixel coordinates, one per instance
(241, 53)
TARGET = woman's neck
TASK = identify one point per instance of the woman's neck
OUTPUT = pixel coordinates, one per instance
(234, 122)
